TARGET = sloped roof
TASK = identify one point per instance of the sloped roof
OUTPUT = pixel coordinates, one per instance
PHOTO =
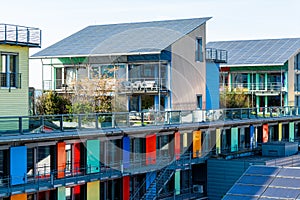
(262, 182)
(258, 52)
(127, 38)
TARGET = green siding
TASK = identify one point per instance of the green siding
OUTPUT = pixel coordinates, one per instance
(93, 156)
(259, 68)
(15, 101)
(234, 139)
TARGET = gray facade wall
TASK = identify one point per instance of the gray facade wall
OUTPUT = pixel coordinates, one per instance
(222, 174)
(188, 76)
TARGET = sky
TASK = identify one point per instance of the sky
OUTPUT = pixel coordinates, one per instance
(231, 19)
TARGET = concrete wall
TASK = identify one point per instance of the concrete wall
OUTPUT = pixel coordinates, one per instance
(15, 101)
(188, 75)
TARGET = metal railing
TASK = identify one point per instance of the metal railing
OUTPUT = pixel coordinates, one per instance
(251, 87)
(216, 55)
(94, 121)
(144, 84)
(10, 80)
(20, 35)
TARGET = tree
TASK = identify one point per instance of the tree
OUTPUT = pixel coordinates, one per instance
(51, 103)
(93, 95)
(235, 98)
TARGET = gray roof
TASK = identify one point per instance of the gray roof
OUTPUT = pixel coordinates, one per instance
(262, 182)
(122, 39)
(258, 52)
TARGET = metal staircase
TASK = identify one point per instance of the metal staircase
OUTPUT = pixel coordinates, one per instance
(159, 183)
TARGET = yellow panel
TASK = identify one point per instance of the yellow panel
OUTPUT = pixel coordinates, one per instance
(279, 131)
(19, 197)
(185, 140)
(218, 141)
(93, 190)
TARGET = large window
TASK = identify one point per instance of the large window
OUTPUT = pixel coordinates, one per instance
(9, 76)
(297, 82)
(199, 49)
(107, 71)
(297, 61)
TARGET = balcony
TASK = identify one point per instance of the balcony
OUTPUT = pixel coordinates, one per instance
(216, 55)
(143, 85)
(20, 35)
(10, 80)
(270, 87)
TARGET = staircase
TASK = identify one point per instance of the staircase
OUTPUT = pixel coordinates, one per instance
(158, 184)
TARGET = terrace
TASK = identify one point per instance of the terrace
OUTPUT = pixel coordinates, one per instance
(20, 35)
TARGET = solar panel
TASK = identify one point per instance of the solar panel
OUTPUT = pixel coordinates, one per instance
(270, 51)
(286, 182)
(281, 193)
(262, 170)
(289, 172)
(236, 197)
(249, 190)
(256, 180)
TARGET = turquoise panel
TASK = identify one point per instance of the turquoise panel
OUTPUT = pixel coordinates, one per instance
(234, 139)
(291, 131)
(177, 182)
(61, 193)
(93, 156)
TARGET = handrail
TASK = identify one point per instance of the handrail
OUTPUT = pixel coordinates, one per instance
(95, 121)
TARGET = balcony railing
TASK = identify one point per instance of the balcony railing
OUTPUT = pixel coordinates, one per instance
(96, 121)
(135, 85)
(253, 87)
(216, 55)
(10, 80)
(20, 35)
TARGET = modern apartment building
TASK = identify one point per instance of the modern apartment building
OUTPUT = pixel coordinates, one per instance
(160, 65)
(15, 42)
(267, 70)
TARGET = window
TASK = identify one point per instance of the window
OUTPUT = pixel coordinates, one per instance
(297, 101)
(9, 76)
(199, 101)
(297, 82)
(199, 50)
(297, 61)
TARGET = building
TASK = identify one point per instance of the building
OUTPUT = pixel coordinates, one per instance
(15, 42)
(160, 65)
(267, 70)
(181, 160)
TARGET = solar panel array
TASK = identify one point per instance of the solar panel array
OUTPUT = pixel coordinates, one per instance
(143, 37)
(253, 52)
(264, 182)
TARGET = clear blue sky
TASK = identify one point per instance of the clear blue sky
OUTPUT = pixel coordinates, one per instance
(232, 19)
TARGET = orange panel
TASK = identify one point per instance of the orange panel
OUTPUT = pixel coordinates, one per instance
(265, 133)
(150, 149)
(196, 144)
(177, 145)
(19, 197)
(61, 159)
